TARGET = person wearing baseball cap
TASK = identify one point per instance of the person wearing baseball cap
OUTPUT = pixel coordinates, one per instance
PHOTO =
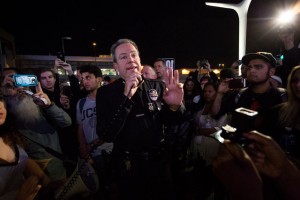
(266, 56)
(259, 96)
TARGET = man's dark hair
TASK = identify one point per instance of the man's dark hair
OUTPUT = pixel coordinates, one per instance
(78, 68)
(160, 59)
(11, 68)
(226, 73)
(44, 69)
(92, 69)
(107, 78)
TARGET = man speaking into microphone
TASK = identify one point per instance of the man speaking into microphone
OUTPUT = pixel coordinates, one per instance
(133, 113)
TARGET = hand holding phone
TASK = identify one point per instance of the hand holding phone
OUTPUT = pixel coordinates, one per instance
(61, 56)
(236, 83)
(39, 100)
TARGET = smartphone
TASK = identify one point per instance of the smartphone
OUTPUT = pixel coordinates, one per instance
(245, 111)
(61, 56)
(243, 120)
(25, 80)
(236, 83)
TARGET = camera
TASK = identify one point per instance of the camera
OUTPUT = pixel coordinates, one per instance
(203, 63)
(243, 120)
(25, 80)
(236, 83)
(61, 56)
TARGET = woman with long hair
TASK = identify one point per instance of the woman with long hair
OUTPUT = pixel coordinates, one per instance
(284, 123)
(20, 177)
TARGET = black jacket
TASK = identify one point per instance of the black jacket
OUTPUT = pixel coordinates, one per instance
(129, 123)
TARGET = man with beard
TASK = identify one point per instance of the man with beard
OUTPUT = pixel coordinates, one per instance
(37, 122)
(132, 113)
(90, 148)
(259, 96)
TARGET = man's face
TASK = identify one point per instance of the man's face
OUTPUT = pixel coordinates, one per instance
(127, 60)
(90, 82)
(47, 80)
(148, 72)
(159, 68)
(259, 71)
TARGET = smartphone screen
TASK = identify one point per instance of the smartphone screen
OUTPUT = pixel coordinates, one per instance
(25, 80)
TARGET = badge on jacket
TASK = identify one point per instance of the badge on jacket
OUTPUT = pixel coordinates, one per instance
(153, 94)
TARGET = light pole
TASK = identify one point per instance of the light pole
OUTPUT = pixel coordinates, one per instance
(242, 10)
(63, 48)
(94, 45)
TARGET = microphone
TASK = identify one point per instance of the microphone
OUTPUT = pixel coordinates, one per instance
(140, 82)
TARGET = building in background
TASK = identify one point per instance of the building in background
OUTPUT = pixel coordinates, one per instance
(7, 49)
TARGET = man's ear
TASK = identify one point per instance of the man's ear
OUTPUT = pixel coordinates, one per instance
(116, 67)
(272, 71)
(99, 79)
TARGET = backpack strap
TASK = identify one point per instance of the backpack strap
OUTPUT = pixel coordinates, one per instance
(237, 97)
(81, 104)
(283, 94)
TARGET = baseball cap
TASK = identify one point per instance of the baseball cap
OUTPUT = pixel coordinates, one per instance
(268, 57)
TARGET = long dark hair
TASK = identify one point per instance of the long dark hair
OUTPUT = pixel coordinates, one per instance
(8, 132)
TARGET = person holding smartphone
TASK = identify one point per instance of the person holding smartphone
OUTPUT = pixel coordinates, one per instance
(263, 157)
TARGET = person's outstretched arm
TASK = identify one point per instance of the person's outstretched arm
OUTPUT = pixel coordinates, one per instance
(238, 174)
(271, 161)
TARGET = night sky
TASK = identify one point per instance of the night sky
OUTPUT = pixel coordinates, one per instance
(184, 30)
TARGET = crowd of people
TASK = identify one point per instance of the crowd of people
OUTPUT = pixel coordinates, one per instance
(148, 136)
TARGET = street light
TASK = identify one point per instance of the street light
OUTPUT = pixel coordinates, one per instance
(286, 17)
(94, 45)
